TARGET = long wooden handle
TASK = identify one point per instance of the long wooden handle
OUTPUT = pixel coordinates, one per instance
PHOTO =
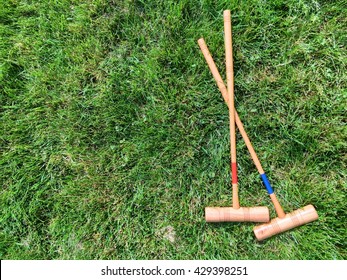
(230, 88)
(223, 90)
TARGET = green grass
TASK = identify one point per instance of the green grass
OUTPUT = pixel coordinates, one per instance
(114, 136)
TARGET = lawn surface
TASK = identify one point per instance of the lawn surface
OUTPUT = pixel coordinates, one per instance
(114, 136)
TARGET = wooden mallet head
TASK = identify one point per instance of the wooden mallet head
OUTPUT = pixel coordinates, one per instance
(291, 220)
(242, 214)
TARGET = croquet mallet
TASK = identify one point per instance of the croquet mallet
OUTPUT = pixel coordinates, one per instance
(234, 213)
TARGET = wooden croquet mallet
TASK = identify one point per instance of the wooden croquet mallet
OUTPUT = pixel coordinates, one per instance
(234, 213)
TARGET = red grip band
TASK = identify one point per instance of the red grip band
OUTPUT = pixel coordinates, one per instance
(234, 172)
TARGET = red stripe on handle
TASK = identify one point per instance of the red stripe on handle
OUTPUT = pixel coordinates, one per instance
(234, 172)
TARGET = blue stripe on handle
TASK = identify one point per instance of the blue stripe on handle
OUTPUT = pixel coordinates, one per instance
(266, 183)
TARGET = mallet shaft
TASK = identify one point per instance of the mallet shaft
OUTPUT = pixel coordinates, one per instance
(230, 85)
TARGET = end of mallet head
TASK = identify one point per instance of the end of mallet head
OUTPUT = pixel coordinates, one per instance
(242, 214)
(291, 220)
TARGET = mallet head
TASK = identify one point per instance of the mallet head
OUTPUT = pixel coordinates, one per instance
(242, 214)
(291, 220)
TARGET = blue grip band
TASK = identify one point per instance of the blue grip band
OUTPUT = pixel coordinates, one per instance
(266, 183)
